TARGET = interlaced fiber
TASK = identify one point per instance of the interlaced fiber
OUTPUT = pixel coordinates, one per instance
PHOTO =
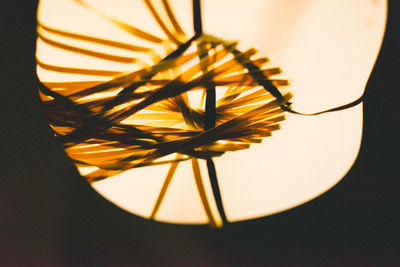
(150, 116)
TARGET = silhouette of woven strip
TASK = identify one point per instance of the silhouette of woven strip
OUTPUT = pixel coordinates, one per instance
(140, 118)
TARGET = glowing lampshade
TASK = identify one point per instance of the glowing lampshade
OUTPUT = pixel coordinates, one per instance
(124, 84)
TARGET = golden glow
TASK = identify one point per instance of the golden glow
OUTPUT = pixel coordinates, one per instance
(325, 48)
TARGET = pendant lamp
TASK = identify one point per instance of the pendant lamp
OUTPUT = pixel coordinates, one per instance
(211, 111)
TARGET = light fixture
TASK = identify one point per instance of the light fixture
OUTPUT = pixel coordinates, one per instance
(163, 104)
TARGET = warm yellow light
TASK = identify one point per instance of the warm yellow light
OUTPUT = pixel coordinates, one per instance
(326, 50)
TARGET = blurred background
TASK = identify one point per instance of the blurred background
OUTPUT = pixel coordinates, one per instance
(49, 216)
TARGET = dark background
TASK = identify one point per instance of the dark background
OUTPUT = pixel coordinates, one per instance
(49, 216)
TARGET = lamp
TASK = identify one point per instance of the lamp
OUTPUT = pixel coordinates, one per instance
(170, 119)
